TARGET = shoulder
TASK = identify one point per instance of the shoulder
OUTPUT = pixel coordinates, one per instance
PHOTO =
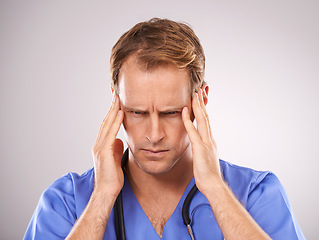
(249, 185)
(70, 183)
(231, 171)
(80, 187)
(60, 205)
(243, 180)
(69, 190)
(264, 197)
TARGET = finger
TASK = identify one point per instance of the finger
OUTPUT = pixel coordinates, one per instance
(206, 115)
(104, 120)
(202, 123)
(190, 128)
(107, 122)
(114, 129)
(201, 100)
(203, 107)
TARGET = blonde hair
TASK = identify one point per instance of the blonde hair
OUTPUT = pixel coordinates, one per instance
(160, 41)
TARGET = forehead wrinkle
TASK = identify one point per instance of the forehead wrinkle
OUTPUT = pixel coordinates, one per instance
(155, 102)
(143, 97)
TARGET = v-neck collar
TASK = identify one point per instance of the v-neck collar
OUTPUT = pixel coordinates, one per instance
(137, 224)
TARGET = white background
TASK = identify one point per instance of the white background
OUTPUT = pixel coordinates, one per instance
(262, 67)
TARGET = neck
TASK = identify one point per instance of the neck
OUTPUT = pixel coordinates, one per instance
(174, 181)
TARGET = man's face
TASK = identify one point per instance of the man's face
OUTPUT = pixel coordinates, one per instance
(152, 102)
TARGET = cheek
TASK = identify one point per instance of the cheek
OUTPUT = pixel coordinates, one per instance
(175, 128)
(132, 126)
(131, 121)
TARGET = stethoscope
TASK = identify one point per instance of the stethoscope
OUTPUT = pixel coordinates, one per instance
(118, 208)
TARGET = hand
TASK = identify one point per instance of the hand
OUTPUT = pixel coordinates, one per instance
(107, 153)
(206, 166)
(233, 219)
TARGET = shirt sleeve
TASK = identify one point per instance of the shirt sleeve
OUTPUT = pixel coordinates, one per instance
(55, 214)
(268, 204)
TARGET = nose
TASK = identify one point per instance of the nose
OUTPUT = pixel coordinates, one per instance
(155, 132)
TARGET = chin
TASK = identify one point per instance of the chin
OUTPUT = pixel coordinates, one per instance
(156, 169)
(155, 166)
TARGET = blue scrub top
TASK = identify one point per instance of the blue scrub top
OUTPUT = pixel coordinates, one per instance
(260, 192)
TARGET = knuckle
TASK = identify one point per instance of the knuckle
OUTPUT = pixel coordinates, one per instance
(109, 141)
(202, 118)
(206, 115)
(94, 149)
(101, 154)
(105, 119)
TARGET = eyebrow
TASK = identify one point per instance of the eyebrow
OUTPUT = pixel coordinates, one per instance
(125, 108)
(172, 109)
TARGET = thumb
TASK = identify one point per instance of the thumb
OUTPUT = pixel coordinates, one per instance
(118, 148)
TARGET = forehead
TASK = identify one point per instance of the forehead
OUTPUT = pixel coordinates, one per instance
(161, 86)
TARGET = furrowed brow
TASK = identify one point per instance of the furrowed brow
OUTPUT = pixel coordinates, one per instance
(172, 109)
(134, 109)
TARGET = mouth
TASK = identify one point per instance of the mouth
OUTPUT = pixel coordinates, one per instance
(155, 152)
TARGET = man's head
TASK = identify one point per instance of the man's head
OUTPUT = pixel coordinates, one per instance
(157, 42)
(156, 66)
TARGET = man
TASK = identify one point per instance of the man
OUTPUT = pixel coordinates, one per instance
(159, 90)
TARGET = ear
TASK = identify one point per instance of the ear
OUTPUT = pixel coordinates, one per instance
(205, 90)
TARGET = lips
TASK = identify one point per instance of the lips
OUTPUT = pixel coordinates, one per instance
(154, 153)
(155, 150)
